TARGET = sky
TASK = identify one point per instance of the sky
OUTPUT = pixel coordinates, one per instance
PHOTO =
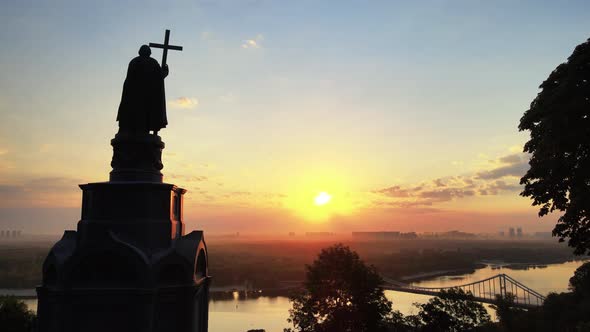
(403, 113)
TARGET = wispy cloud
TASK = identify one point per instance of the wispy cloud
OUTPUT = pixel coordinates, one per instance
(48, 191)
(189, 178)
(514, 165)
(494, 188)
(206, 35)
(446, 194)
(502, 177)
(185, 102)
(254, 42)
(398, 191)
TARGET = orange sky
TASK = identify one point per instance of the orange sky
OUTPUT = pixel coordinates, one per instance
(402, 113)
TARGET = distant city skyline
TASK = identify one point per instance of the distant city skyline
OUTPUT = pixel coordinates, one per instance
(322, 117)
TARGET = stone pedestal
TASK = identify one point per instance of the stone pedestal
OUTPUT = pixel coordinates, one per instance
(136, 157)
(129, 266)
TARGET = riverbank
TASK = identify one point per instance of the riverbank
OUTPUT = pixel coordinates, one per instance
(238, 267)
(216, 293)
(242, 292)
(439, 273)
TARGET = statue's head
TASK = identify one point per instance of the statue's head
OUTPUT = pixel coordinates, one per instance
(145, 50)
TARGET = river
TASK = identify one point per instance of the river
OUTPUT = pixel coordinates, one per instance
(270, 313)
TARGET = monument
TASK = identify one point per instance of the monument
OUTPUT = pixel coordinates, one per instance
(130, 266)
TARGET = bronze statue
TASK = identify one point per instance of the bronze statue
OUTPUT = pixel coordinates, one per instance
(137, 154)
(143, 104)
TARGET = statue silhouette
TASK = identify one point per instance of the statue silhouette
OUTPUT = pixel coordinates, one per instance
(143, 103)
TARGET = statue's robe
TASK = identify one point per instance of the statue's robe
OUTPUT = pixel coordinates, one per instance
(143, 104)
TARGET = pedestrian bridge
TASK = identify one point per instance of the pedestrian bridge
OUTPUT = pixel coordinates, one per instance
(484, 290)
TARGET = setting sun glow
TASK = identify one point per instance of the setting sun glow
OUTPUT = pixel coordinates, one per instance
(322, 198)
(319, 195)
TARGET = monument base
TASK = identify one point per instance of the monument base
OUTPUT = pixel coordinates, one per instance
(128, 267)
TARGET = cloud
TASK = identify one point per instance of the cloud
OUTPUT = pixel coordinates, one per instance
(240, 193)
(237, 194)
(47, 191)
(514, 165)
(447, 194)
(439, 183)
(498, 186)
(395, 191)
(189, 178)
(10, 189)
(511, 159)
(185, 102)
(53, 183)
(254, 42)
(502, 178)
(206, 35)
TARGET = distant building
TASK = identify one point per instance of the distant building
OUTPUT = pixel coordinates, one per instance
(543, 235)
(457, 235)
(409, 235)
(519, 232)
(319, 234)
(511, 232)
(383, 235)
(291, 234)
(376, 235)
(501, 234)
(10, 234)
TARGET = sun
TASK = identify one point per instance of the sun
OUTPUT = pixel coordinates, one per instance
(319, 196)
(322, 198)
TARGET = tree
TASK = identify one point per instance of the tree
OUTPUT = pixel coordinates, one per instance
(14, 315)
(340, 294)
(452, 310)
(559, 124)
(508, 313)
(560, 312)
(580, 281)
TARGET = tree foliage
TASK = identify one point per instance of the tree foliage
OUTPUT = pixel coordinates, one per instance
(340, 294)
(452, 310)
(580, 281)
(14, 315)
(507, 312)
(562, 312)
(559, 124)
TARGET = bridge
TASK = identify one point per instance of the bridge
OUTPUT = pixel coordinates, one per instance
(483, 290)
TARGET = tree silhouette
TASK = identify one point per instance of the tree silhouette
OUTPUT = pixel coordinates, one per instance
(507, 312)
(559, 124)
(452, 310)
(14, 315)
(580, 281)
(566, 311)
(340, 294)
